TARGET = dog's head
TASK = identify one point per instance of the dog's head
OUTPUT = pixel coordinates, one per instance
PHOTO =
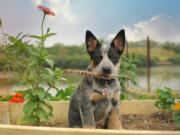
(105, 58)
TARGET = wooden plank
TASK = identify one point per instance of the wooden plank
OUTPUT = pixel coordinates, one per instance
(29, 130)
(61, 110)
(4, 113)
(15, 112)
(137, 107)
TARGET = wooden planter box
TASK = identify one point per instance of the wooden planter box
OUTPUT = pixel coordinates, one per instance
(60, 116)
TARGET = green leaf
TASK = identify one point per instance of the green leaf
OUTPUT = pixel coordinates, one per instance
(48, 30)
(26, 35)
(165, 95)
(158, 91)
(29, 107)
(49, 71)
(33, 51)
(41, 113)
(45, 76)
(58, 72)
(59, 93)
(56, 98)
(55, 88)
(69, 90)
(63, 94)
(165, 100)
(48, 96)
(176, 116)
(48, 35)
(177, 122)
(12, 39)
(40, 92)
(18, 35)
(50, 62)
(6, 98)
(29, 119)
(35, 36)
(19, 91)
(50, 108)
(168, 89)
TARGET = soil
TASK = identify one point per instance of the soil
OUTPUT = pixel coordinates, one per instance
(156, 121)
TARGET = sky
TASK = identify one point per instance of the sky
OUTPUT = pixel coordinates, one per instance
(158, 19)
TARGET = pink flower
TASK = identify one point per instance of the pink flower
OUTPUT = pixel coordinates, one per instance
(46, 10)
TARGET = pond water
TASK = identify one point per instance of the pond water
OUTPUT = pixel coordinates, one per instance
(161, 76)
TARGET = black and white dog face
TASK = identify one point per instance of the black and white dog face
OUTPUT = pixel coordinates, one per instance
(105, 58)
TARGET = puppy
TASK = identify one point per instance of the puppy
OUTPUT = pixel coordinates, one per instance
(95, 103)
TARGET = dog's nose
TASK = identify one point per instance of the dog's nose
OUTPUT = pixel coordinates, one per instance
(106, 70)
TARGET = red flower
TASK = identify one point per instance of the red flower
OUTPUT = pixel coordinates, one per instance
(12, 100)
(18, 95)
(21, 100)
(17, 98)
(46, 10)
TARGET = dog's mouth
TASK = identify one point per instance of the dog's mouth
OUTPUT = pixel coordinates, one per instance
(105, 76)
(104, 79)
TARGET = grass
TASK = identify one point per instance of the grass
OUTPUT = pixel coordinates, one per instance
(160, 53)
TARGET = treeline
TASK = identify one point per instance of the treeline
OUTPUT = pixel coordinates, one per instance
(76, 57)
(69, 56)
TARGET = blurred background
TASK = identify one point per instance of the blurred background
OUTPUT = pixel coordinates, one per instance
(150, 26)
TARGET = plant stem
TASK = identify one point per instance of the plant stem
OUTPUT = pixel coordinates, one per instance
(49, 88)
(42, 33)
(41, 49)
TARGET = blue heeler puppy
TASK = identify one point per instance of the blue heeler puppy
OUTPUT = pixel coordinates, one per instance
(95, 103)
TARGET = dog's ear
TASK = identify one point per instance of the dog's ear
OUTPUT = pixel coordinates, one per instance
(119, 41)
(91, 42)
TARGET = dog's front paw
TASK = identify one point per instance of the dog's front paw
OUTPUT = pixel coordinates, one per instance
(89, 126)
(116, 127)
(120, 128)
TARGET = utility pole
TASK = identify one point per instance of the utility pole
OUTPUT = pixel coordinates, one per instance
(148, 64)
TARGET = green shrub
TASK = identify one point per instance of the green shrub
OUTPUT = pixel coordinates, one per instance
(74, 62)
(172, 46)
(175, 60)
(128, 68)
(29, 65)
(165, 100)
(141, 60)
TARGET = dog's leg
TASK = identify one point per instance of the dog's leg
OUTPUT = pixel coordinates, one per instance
(114, 119)
(87, 113)
(101, 110)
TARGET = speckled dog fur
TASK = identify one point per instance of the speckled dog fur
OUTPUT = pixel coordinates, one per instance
(89, 106)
